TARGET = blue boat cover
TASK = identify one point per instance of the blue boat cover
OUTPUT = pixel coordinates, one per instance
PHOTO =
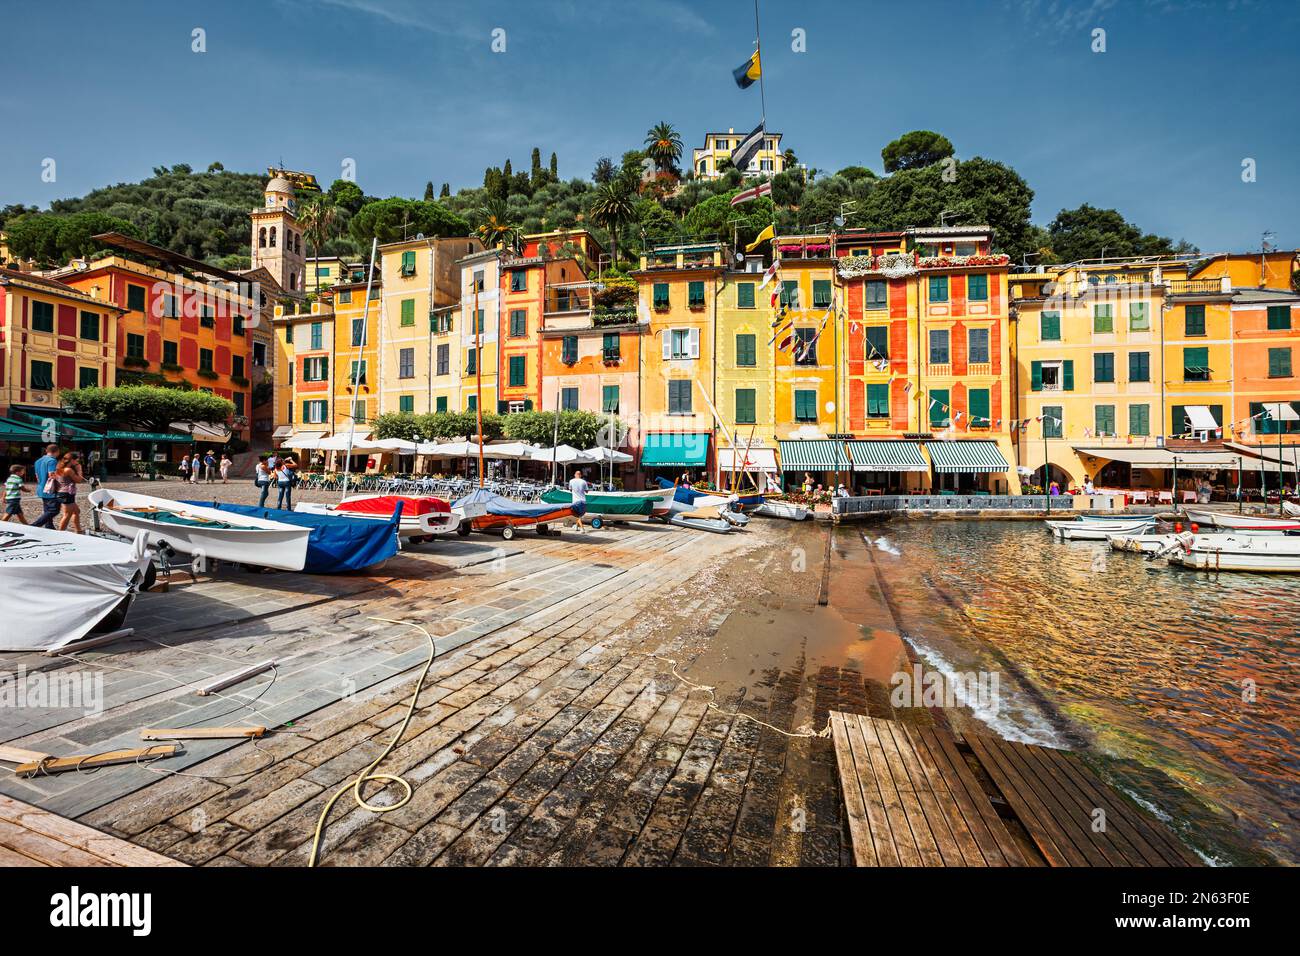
(499, 505)
(335, 544)
(687, 496)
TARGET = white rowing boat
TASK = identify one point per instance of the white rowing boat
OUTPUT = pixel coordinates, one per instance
(783, 509)
(199, 531)
(1233, 521)
(1240, 552)
(1086, 528)
(57, 587)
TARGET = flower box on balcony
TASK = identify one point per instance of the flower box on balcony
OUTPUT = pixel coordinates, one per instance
(207, 373)
(239, 380)
(135, 361)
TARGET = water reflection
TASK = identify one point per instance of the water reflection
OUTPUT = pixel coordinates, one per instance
(1143, 662)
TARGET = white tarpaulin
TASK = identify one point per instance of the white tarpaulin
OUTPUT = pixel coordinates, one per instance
(55, 586)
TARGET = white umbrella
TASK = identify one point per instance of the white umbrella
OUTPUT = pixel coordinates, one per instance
(562, 455)
(451, 449)
(342, 441)
(514, 450)
(307, 442)
(399, 445)
(609, 456)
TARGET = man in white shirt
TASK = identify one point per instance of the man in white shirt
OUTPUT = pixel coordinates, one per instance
(578, 490)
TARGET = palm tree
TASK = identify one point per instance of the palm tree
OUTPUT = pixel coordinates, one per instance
(664, 146)
(495, 227)
(612, 208)
(318, 215)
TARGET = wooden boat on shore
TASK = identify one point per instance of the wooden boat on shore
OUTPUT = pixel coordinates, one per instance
(506, 515)
(1233, 521)
(200, 530)
(422, 515)
(603, 506)
(698, 521)
(1093, 528)
(1265, 553)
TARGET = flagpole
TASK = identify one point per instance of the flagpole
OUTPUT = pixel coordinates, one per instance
(758, 49)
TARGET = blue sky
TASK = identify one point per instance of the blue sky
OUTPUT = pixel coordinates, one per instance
(1157, 126)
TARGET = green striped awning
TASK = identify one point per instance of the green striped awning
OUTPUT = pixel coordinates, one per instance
(982, 457)
(815, 454)
(886, 456)
(675, 450)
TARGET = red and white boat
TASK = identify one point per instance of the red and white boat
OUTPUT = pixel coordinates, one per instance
(422, 515)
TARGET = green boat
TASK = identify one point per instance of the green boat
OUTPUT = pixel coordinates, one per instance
(606, 507)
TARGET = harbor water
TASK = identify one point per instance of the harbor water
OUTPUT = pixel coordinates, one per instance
(1179, 686)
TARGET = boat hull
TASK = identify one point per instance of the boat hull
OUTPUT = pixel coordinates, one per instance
(244, 540)
(1223, 519)
(1273, 554)
(1142, 543)
(610, 506)
(1089, 530)
(783, 509)
(413, 524)
(701, 523)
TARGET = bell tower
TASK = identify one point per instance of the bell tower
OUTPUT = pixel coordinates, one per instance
(277, 238)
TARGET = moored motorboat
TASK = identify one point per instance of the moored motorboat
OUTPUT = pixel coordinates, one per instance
(335, 544)
(1088, 528)
(422, 515)
(201, 530)
(1231, 520)
(1239, 552)
(1141, 543)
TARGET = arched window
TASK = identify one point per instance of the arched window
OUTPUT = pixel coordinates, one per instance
(297, 242)
(273, 237)
(293, 281)
(261, 238)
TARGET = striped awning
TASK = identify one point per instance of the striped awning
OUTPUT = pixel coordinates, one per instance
(886, 456)
(968, 457)
(814, 454)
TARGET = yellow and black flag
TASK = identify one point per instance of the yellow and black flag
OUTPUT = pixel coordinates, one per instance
(748, 72)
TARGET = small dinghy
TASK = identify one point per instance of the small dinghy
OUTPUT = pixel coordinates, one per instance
(57, 587)
(700, 522)
(335, 544)
(422, 515)
(1142, 543)
(783, 509)
(499, 513)
(603, 506)
(1089, 528)
(200, 530)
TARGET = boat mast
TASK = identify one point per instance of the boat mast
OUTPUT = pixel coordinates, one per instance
(356, 375)
(478, 376)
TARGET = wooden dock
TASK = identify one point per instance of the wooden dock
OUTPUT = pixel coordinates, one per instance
(30, 836)
(913, 799)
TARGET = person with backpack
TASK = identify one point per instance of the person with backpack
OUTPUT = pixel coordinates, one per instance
(263, 475)
(286, 476)
(44, 468)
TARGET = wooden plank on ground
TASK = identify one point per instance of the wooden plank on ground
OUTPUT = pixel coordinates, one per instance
(1055, 796)
(57, 841)
(908, 804)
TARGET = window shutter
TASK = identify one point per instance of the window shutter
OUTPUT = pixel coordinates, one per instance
(695, 343)
(1036, 377)
(668, 344)
(1067, 375)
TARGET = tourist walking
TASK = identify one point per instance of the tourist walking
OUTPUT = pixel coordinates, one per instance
(285, 475)
(66, 478)
(225, 469)
(44, 469)
(184, 468)
(14, 494)
(262, 478)
(210, 467)
(578, 491)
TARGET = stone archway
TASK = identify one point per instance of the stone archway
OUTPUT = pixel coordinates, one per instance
(1055, 473)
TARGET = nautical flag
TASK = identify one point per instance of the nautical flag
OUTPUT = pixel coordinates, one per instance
(762, 189)
(765, 236)
(775, 295)
(748, 72)
(769, 275)
(748, 148)
(907, 388)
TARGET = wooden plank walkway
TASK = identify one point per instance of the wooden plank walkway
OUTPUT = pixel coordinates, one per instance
(912, 800)
(1061, 804)
(30, 836)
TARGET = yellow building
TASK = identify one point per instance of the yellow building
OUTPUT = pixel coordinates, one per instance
(354, 356)
(304, 384)
(418, 359)
(806, 357)
(678, 289)
(744, 354)
(767, 162)
(478, 321)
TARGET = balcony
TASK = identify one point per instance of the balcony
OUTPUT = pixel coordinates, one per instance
(980, 369)
(937, 370)
(1200, 286)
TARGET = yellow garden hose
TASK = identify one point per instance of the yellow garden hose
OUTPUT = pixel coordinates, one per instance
(367, 775)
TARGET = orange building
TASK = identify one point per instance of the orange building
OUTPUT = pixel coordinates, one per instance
(591, 360)
(1265, 350)
(182, 320)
